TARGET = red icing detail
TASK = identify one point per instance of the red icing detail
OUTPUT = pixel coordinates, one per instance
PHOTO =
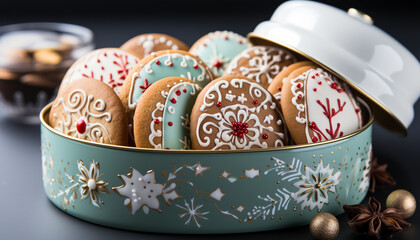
(205, 44)
(313, 77)
(299, 96)
(299, 85)
(265, 136)
(171, 64)
(157, 62)
(316, 74)
(219, 104)
(157, 121)
(334, 85)
(122, 64)
(102, 68)
(85, 66)
(217, 64)
(184, 90)
(340, 90)
(357, 110)
(226, 38)
(314, 139)
(178, 92)
(330, 113)
(170, 124)
(279, 88)
(105, 54)
(81, 126)
(173, 100)
(239, 129)
(315, 89)
(98, 60)
(195, 66)
(240, 41)
(145, 86)
(255, 102)
(319, 83)
(167, 148)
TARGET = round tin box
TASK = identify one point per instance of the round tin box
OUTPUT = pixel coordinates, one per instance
(190, 191)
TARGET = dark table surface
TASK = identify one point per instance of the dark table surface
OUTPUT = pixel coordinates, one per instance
(26, 213)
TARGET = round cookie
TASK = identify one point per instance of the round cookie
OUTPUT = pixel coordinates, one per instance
(277, 83)
(235, 112)
(218, 48)
(89, 109)
(261, 63)
(109, 65)
(162, 117)
(159, 65)
(317, 106)
(143, 45)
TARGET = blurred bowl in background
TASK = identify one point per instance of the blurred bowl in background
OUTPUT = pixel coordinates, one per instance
(33, 60)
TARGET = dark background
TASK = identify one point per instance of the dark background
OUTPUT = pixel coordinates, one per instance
(26, 213)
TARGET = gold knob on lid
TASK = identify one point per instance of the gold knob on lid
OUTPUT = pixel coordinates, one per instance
(360, 15)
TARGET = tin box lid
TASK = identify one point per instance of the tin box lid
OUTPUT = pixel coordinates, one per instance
(347, 44)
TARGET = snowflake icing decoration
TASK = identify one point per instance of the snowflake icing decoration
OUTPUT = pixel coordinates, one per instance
(192, 211)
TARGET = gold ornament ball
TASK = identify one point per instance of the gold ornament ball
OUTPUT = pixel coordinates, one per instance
(324, 226)
(402, 200)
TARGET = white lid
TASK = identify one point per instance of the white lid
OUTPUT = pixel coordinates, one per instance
(351, 47)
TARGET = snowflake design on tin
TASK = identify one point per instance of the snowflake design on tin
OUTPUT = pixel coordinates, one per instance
(76, 119)
(192, 211)
(91, 186)
(315, 185)
(140, 191)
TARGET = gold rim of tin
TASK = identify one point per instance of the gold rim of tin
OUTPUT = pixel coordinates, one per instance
(46, 110)
(400, 129)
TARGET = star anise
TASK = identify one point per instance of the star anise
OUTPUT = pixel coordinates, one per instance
(370, 220)
(379, 176)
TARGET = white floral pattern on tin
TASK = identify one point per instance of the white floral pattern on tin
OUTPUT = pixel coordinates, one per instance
(140, 191)
(315, 186)
(91, 186)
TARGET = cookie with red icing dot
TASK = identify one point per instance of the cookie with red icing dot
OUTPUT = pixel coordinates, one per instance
(217, 49)
(277, 84)
(261, 63)
(108, 65)
(162, 117)
(235, 112)
(143, 45)
(317, 106)
(89, 109)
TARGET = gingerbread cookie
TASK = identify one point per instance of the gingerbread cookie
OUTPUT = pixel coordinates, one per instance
(277, 83)
(217, 49)
(261, 63)
(89, 109)
(159, 65)
(109, 65)
(143, 45)
(235, 112)
(317, 106)
(162, 117)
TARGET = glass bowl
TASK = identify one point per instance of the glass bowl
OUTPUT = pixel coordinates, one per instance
(33, 60)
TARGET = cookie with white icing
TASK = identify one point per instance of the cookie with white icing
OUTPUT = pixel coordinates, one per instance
(109, 65)
(217, 49)
(162, 117)
(89, 109)
(235, 112)
(143, 45)
(277, 83)
(159, 65)
(318, 107)
(261, 63)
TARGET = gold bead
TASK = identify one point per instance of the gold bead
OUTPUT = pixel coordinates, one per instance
(324, 226)
(402, 200)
